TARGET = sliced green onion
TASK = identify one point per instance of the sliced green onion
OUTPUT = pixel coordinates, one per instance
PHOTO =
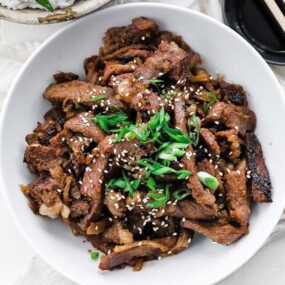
(183, 174)
(155, 81)
(78, 106)
(181, 194)
(208, 180)
(94, 255)
(151, 184)
(97, 98)
(167, 156)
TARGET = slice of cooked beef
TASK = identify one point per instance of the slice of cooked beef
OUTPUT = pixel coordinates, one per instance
(183, 242)
(83, 124)
(193, 210)
(193, 58)
(116, 203)
(78, 144)
(166, 58)
(163, 227)
(180, 114)
(79, 208)
(233, 93)
(233, 117)
(116, 68)
(135, 93)
(55, 114)
(210, 140)
(259, 184)
(232, 141)
(92, 182)
(81, 92)
(118, 234)
(221, 232)
(61, 77)
(128, 152)
(129, 53)
(93, 66)
(237, 197)
(92, 187)
(201, 195)
(40, 157)
(140, 31)
(43, 133)
(44, 189)
(124, 254)
(208, 167)
(100, 243)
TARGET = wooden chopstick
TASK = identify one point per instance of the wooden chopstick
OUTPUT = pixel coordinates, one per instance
(276, 12)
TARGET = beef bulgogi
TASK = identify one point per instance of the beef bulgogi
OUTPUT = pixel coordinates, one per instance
(146, 150)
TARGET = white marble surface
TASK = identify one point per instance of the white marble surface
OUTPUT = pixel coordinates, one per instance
(266, 267)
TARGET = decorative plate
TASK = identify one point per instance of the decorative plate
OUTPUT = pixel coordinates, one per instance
(37, 16)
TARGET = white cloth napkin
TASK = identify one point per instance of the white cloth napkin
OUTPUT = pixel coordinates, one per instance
(12, 57)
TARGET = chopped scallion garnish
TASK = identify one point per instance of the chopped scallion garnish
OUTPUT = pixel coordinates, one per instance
(208, 180)
(107, 121)
(194, 135)
(78, 106)
(210, 101)
(181, 194)
(97, 98)
(94, 255)
(123, 183)
(159, 199)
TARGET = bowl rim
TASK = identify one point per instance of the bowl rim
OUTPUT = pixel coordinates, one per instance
(119, 8)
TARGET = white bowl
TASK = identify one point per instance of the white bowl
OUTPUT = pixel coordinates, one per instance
(222, 50)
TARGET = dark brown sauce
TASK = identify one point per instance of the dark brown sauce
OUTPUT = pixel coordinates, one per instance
(260, 27)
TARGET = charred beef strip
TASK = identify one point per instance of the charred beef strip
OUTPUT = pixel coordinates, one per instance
(233, 93)
(61, 77)
(259, 184)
